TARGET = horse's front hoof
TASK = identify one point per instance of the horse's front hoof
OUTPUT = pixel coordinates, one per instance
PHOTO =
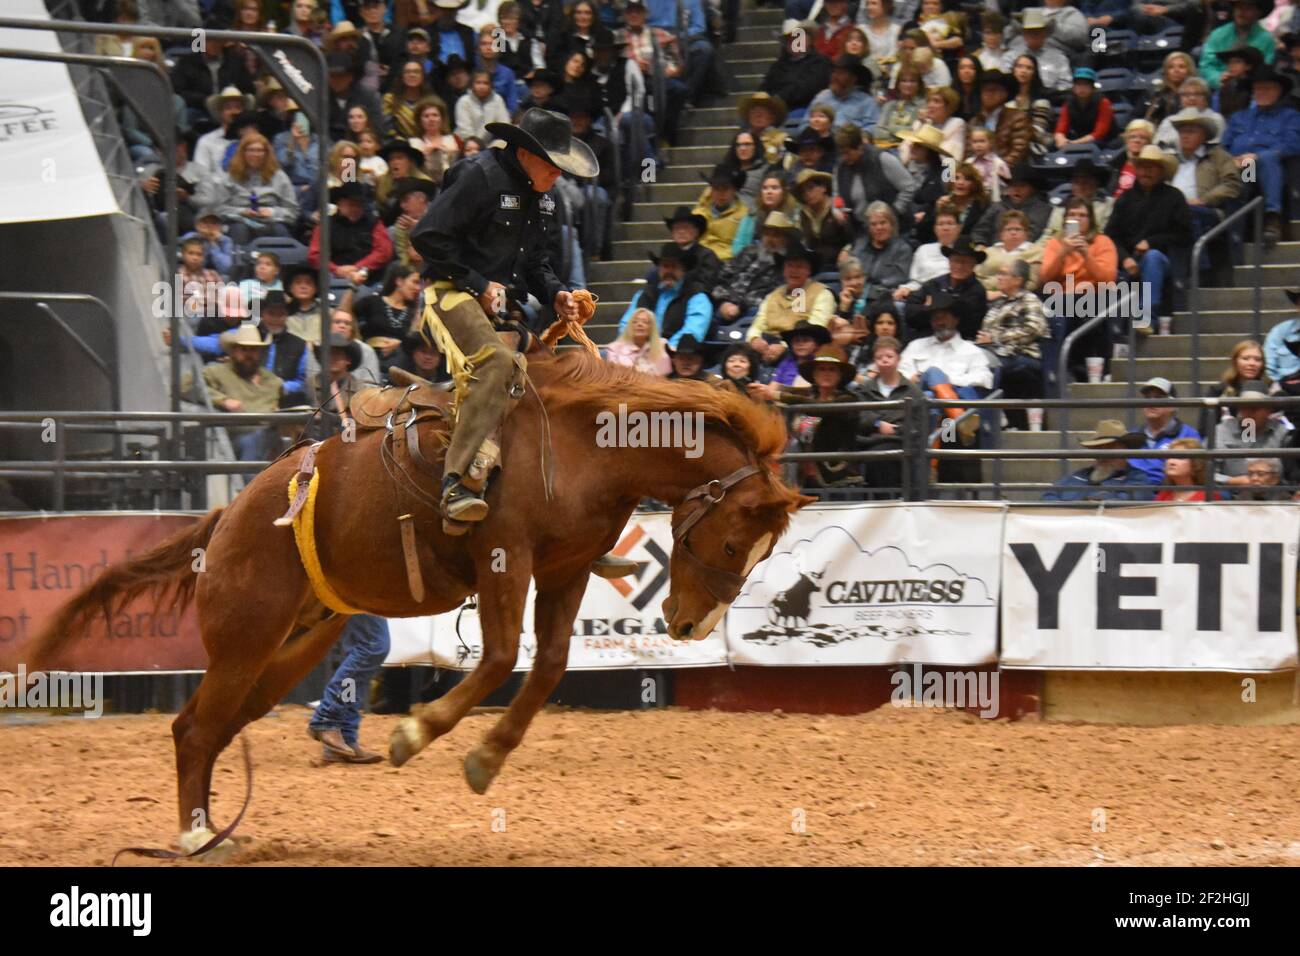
(480, 770)
(191, 840)
(406, 741)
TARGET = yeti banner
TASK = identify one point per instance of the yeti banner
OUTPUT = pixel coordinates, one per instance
(619, 624)
(881, 584)
(1192, 587)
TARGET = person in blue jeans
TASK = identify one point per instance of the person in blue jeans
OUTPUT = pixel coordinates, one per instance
(337, 719)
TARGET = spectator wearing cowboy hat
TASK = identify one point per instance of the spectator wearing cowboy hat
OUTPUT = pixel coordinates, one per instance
(800, 72)
(1280, 359)
(1106, 479)
(344, 37)
(686, 227)
(332, 392)
(781, 359)
(865, 174)
(1237, 83)
(723, 212)
(1251, 426)
(847, 94)
(1053, 65)
(828, 372)
(680, 305)
(927, 165)
(245, 384)
(1013, 129)
(1151, 227)
(1207, 174)
(218, 68)
(274, 110)
(1289, 65)
(959, 284)
(210, 148)
(1088, 181)
(230, 312)
(762, 114)
(344, 93)
(1023, 194)
(946, 357)
(809, 150)
(1243, 30)
(421, 357)
(404, 162)
(1266, 138)
(1067, 27)
(542, 86)
(1161, 426)
(798, 299)
(753, 273)
(359, 243)
(412, 197)
(826, 229)
(689, 360)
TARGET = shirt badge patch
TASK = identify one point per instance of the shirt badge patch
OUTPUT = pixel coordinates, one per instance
(546, 204)
(509, 202)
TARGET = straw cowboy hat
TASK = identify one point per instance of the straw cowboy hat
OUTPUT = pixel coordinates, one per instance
(1194, 117)
(214, 101)
(550, 136)
(774, 103)
(1151, 153)
(247, 335)
(269, 89)
(1109, 433)
(776, 219)
(1033, 19)
(829, 356)
(930, 137)
(807, 176)
(343, 30)
(348, 346)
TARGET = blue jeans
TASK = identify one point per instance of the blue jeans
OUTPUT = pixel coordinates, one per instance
(366, 640)
(933, 376)
(1271, 178)
(798, 9)
(1204, 218)
(1153, 268)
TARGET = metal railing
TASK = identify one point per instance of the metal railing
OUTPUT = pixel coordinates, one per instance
(1256, 206)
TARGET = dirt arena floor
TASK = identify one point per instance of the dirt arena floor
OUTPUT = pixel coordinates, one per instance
(681, 787)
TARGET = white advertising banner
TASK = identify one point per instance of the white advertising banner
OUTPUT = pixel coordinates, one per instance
(52, 169)
(619, 624)
(875, 584)
(1190, 587)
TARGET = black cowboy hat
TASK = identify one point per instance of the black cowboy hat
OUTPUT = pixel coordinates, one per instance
(846, 61)
(795, 249)
(742, 349)
(550, 136)
(998, 78)
(351, 190)
(455, 62)
(302, 269)
(348, 345)
(1265, 7)
(685, 214)
(803, 327)
(809, 137)
(832, 356)
(544, 76)
(401, 146)
(940, 302)
(687, 345)
(275, 298)
(1025, 173)
(1244, 51)
(1086, 167)
(1270, 75)
(412, 184)
(964, 247)
(724, 175)
(671, 252)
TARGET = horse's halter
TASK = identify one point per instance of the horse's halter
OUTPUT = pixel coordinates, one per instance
(722, 584)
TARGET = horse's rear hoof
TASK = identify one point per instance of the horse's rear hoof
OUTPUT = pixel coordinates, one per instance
(404, 743)
(191, 840)
(479, 772)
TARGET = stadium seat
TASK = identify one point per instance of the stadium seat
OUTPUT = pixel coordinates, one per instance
(1123, 113)
(290, 251)
(1115, 79)
(1060, 193)
(1118, 43)
(1071, 154)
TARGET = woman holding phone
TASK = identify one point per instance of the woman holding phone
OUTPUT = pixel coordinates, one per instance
(1082, 251)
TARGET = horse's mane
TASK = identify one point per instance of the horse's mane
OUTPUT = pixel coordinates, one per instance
(577, 376)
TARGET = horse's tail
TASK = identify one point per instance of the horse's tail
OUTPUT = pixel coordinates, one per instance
(166, 570)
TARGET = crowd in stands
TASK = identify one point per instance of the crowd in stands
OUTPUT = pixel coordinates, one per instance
(899, 209)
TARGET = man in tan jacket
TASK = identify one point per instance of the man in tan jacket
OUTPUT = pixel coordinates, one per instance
(1207, 174)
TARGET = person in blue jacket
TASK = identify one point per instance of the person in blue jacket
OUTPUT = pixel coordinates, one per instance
(1106, 479)
(1263, 137)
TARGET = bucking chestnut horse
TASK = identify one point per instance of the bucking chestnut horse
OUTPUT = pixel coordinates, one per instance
(265, 627)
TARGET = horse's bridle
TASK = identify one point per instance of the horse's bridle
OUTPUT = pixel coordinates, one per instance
(722, 584)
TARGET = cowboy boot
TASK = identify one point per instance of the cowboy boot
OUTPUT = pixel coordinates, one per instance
(968, 427)
(460, 503)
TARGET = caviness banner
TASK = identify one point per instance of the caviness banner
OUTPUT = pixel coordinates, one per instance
(1191, 587)
(49, 166)
(620, 623)
(882, 584)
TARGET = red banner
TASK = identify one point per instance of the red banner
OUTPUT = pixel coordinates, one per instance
(45, 560)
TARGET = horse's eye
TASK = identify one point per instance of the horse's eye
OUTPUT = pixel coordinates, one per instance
(729, 549)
